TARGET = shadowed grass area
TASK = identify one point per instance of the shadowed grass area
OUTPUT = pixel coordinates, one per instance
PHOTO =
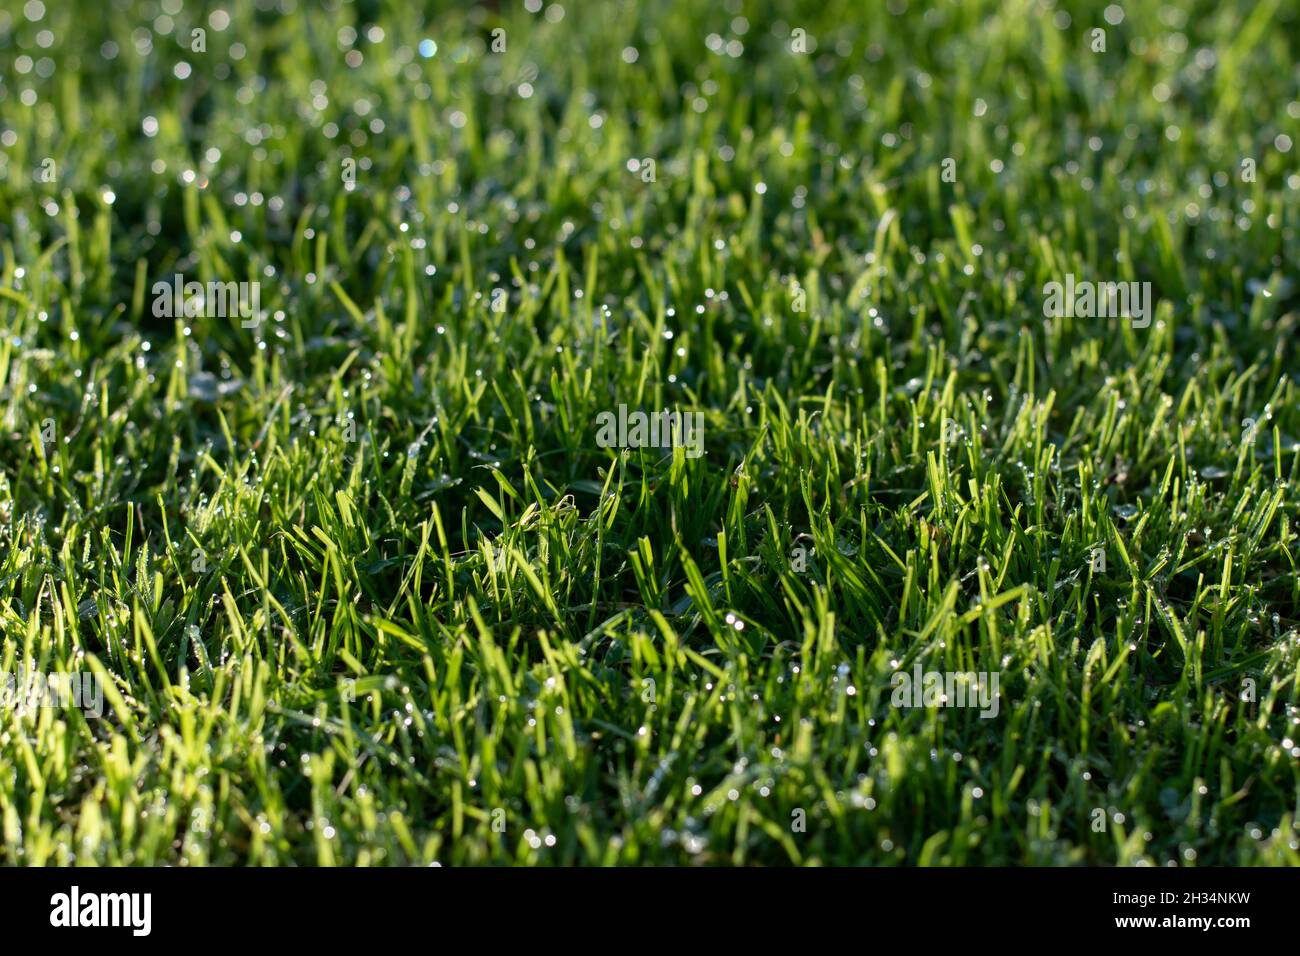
(360, 582)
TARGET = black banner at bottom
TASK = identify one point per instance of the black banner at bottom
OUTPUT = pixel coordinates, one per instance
(145, 906)
(298, 905)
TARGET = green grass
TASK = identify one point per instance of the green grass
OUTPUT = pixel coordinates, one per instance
(545, 635)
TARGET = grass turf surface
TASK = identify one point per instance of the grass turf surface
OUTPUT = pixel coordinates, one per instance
(393, 483)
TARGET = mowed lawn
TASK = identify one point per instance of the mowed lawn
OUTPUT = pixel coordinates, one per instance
(362, 580)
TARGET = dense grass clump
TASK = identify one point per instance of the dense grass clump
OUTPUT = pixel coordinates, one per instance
(362, 586)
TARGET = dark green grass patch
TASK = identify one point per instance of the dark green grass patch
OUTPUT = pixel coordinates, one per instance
(362, 586)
